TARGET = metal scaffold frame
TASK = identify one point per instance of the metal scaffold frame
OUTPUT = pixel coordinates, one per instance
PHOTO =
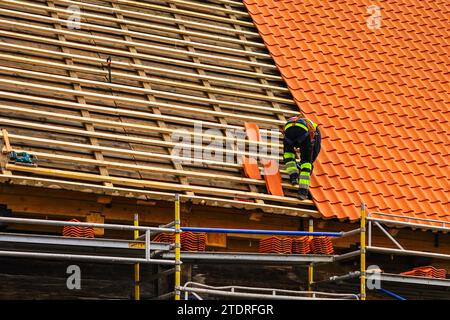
(170, 254)
(365, 231)
(259, 293)
(151, 249)
(367, 222)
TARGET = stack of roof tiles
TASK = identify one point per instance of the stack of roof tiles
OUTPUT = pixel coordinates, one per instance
(427, 271)
(193, 241)
(379, 92)
(321, 245)
(301, 245)
(275, 245)
(164, 237)
(77, 231)
(190, 241)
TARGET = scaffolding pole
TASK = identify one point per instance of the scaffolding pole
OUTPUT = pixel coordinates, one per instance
(267, 232)
(363, 252)
(177, 248)
(311, 266)
(137, 289)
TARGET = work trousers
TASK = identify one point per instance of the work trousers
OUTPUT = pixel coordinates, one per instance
(297, 137)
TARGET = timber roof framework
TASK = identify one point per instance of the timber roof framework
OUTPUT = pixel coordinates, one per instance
(174, 65)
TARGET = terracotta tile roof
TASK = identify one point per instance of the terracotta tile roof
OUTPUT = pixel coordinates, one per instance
(380, 96)
(427, 271)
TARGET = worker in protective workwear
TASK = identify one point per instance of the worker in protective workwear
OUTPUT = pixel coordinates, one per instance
(304, 134)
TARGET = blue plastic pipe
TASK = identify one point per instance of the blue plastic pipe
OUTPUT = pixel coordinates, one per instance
(273, 232)
(390, 293)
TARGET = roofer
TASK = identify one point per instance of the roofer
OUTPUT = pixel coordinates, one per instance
(302, 133)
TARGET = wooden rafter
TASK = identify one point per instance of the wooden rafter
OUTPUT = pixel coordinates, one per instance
(80, 97)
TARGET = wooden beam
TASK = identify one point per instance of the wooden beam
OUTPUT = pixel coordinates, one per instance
(128, 125)
(254, 216)
(104, 199)
(206, 83)
(231, 3)
(139, 35)
(80, 99)
(126, 138)
(117, 111)
(207, 8)
(149, 17)
(123, 152)
(24, 200)
(140, 45)
(130, 192)
(132, 101)
(122, 76)
(149, 69)
(121, 53)
(85, 16)
(216, 240)
(97, 217)
(151, 97)
(159, 93)
(189, 13)
(5, 147)
(151, 184)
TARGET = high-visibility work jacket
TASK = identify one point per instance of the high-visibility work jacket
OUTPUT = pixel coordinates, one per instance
(289, 153)
(301, 122)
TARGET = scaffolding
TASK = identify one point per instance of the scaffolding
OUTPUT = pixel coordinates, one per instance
(130, 252)
(241, 292)
(381, 221)
(367, 222)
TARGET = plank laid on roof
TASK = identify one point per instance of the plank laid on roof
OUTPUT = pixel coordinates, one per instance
(380, 95)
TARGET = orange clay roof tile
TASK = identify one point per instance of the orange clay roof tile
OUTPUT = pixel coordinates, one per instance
(379, 95)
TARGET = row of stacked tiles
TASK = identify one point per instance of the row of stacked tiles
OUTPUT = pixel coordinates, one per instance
(78, 232)
(427, 271)
(301, 245)
(190, 241)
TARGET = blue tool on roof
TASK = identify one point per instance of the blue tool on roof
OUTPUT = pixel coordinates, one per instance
(22, 158)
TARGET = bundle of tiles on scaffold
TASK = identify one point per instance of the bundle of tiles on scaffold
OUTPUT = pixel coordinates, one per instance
(275, 245)
(427, 271)
(193, 241)
(190, 241)
(301, 245)
(321, 245)
(164, 237)
(78, 231)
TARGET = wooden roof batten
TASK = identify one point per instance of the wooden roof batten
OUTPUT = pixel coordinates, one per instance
(169, 73)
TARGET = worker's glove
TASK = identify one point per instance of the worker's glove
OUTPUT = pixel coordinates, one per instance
(294, 178)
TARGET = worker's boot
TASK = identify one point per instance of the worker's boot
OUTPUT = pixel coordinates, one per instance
(302, 194)
(294, 178)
